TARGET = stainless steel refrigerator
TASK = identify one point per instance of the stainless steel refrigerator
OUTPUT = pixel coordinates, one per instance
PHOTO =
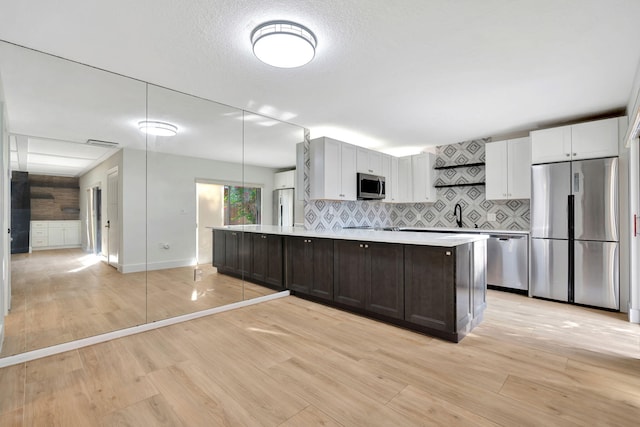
(574, 232)
(283, 206)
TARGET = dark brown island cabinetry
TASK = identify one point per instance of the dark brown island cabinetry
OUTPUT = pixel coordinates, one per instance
(438, 290)
(252, 256)
(310, 266)
(370, 275)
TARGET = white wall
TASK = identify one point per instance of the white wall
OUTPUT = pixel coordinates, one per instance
(171, 205)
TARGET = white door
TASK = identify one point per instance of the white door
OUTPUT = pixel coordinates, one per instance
(113, 221)
(209, 201)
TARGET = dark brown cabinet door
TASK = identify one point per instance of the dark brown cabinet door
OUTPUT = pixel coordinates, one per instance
(260, 248)
(351, 265)
(322, 256)
(245, 255)
(218, 248)
(310, 266)
(267, 258)
(385, 290)
(430, 286)
(231, 245)
(299, 264)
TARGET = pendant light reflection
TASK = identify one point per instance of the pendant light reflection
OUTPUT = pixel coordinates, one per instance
(154, 127)
(283, 44)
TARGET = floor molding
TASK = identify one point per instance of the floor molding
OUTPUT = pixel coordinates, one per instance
(85, 342)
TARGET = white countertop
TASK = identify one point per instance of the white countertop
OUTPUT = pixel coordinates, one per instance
(467, 230)
(369, 235)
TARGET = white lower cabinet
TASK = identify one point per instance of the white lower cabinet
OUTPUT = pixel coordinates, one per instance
(55, 234)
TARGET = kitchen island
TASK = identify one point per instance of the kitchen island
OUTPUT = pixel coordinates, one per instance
(434, 283)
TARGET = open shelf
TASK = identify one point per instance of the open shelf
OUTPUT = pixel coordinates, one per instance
(467, 165)
(464, 184)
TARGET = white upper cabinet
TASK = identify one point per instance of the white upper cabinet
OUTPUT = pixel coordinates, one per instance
(551, 145)
(508, 165)
(284, 180)
(405, 181)
(424, 177)
(333, 170)
(594, 139)
(387, 172)
(581, 141)
(369, 161)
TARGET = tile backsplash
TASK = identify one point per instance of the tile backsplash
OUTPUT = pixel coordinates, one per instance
(509, 214)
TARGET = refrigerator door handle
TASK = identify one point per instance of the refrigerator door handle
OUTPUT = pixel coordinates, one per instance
(576, 182)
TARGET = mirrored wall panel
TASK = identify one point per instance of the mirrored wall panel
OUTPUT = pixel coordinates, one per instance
(115, 187)
(69, 127)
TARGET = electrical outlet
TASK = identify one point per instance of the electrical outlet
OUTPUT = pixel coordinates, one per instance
(491, 217)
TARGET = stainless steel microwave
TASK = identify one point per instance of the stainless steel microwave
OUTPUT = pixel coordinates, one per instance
(370, 187)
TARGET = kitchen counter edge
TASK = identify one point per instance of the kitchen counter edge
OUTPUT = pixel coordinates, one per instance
(447, 239)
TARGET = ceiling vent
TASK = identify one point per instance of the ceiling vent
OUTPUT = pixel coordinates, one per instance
(99, 143)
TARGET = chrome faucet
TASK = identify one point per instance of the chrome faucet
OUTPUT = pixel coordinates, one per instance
(457, 212)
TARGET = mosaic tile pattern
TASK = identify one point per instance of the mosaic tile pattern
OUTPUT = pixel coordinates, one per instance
(510, 215)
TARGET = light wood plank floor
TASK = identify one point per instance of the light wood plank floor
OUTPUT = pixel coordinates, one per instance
(290, 362)
(63, 295)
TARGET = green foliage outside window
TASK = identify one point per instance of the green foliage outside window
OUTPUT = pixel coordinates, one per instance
(241, 205)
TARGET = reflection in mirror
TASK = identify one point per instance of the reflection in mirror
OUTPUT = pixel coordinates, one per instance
(186, 174)
(70, 128)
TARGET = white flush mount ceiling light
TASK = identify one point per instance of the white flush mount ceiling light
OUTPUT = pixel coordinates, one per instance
(283, 44)
(153, 127)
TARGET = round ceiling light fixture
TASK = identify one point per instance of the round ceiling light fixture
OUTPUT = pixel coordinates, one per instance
(154, 127)
(283, 44)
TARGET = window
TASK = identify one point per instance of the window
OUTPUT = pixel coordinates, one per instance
(242, 205)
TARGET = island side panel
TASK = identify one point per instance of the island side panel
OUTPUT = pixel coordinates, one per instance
(430, 287)
(463, 279)
(479, 294)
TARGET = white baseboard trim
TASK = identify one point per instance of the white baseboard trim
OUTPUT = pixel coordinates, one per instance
(161, 265)
(85, 342)
(634, 315)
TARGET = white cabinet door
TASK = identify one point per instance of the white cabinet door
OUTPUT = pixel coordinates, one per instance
(348, 184)
(333, 170)
(72, 233)
(369, 161)
(519, 168)
(405, 178)
(496, 159)
(423, 178)
(551, 145)
(56, 236)
(284, 179)
(594, 139)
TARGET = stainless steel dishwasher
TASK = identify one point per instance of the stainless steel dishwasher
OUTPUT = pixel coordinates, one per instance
(507, 261)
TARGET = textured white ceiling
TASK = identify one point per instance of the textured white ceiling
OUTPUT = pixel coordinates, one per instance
(388, 75)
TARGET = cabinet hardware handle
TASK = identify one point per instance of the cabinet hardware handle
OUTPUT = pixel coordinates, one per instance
(568, 154)
(366, 246)
(448, 253)
(360, 244)
(575, 154)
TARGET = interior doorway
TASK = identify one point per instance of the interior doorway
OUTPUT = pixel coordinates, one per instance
(94, 220)
(210, 213)
(113, 221)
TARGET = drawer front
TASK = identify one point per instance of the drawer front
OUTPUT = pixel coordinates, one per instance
(39, 225)
(39, 234)
(39, 242)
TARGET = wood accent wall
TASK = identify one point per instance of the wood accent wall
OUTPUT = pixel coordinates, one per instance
(54, 197)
